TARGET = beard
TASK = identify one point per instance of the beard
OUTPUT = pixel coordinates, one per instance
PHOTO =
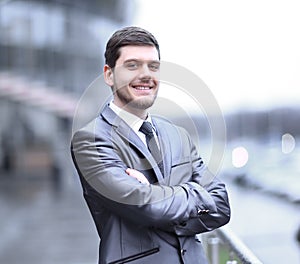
(141, 103)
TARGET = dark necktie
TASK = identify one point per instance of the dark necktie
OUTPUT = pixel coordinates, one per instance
(147, 129)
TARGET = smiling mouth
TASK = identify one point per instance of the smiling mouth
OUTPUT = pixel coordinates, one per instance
(142, 87)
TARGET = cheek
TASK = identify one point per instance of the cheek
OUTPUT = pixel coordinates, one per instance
(122, 78)
(156, 77)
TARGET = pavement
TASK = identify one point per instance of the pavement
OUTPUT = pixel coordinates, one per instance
(44, 221)
(267, 224)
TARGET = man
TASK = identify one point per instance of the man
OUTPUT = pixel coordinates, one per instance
(143, 188)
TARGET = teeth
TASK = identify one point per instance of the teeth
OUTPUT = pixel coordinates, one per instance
(142, 88)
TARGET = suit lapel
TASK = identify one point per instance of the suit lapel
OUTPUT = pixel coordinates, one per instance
(124, 131)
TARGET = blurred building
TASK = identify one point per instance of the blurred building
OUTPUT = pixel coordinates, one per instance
(58, 42)
(51, 51)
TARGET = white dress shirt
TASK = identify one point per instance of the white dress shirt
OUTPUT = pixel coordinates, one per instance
(133, 121)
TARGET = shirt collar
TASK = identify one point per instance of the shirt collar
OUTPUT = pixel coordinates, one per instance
(132, 120)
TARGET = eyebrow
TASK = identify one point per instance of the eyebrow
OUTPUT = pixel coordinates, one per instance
(137, 60)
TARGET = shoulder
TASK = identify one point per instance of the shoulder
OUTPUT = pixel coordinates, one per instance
(97, 127)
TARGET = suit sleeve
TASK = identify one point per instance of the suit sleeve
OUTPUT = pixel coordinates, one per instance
(213, 188)
(103, 172)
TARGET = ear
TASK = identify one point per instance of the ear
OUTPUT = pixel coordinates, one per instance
(108, 75)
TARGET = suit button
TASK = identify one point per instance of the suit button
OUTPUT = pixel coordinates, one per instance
(182, 251)
(202, 211)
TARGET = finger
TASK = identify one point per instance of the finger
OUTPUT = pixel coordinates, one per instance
(137, 175)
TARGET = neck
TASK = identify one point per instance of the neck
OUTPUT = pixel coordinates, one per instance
(141, 113)
(137, 112)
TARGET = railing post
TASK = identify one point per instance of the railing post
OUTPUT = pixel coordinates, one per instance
(214, 246)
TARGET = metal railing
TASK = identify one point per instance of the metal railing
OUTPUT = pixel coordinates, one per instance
(224, 239)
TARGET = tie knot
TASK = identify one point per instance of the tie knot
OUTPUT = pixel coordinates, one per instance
(146, 128)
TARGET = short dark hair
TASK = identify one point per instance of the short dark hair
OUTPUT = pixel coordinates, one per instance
(127, 36)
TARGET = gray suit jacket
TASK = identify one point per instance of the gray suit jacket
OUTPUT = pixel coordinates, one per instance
(139, 223)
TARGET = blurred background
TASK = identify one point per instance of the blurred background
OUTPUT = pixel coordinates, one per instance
(51, 51)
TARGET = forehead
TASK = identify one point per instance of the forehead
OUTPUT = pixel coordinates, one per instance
(145, 53)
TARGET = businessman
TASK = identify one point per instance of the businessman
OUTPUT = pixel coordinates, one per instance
(142, 176)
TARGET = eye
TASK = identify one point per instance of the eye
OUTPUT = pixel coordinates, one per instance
(154, 66)
(133, 65)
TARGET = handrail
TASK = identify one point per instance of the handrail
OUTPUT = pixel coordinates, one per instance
(237, 246)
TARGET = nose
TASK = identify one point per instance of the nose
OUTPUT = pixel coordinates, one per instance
(145, 72)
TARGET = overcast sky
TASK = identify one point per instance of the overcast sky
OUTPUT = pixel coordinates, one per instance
(247, 52)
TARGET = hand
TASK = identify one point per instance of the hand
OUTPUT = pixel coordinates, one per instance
(138, 175)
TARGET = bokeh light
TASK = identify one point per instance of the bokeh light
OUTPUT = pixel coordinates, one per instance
(288, 143)
(239, 157)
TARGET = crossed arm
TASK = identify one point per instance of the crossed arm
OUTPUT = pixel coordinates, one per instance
(185, 209)
(206, 220)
